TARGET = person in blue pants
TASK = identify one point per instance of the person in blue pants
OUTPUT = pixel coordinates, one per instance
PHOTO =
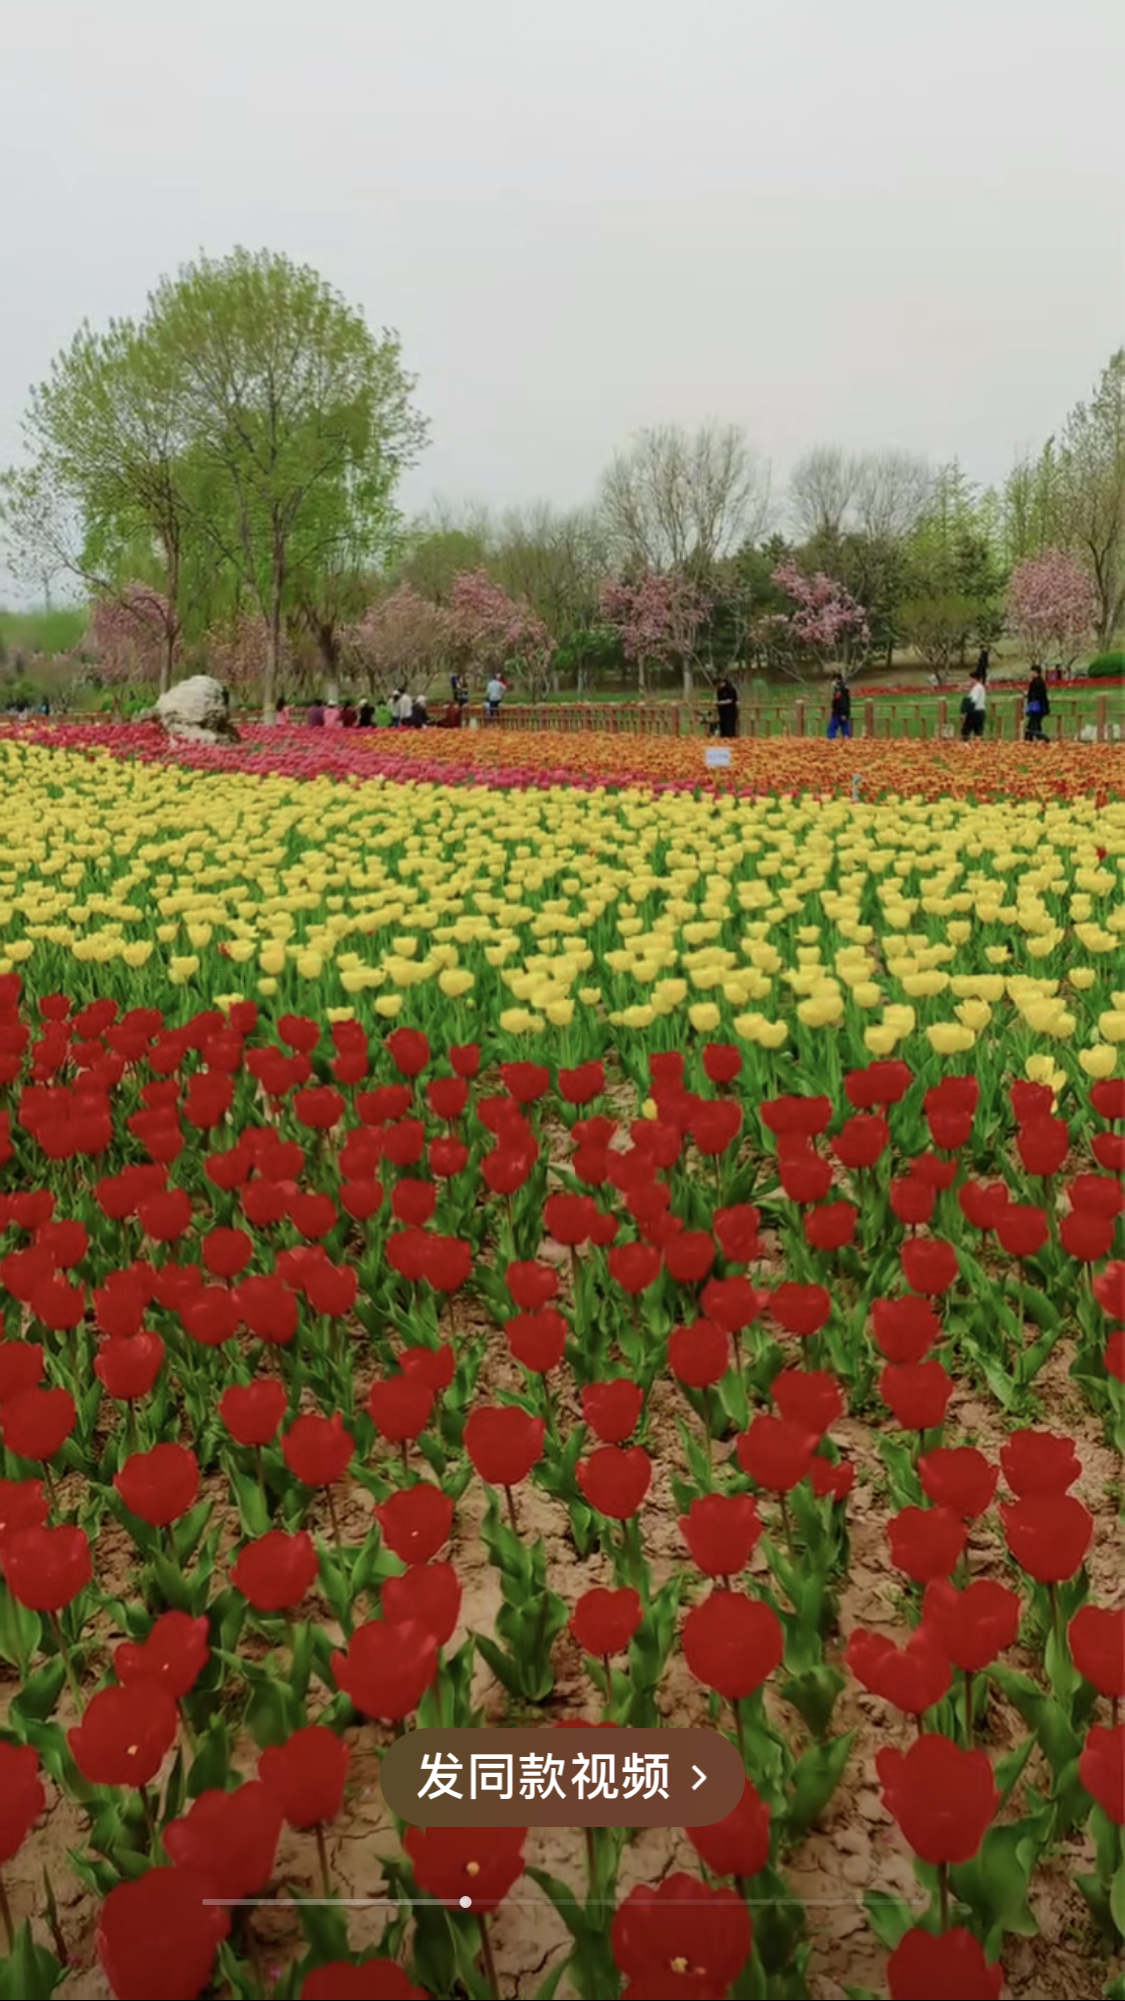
(840, 720)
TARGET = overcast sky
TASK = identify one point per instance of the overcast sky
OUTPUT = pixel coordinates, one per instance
(872, 222)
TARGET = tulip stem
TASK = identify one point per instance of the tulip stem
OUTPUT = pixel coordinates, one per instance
(739, 1731)
(510, 1498)
(968, 1710)
(6, 1916)
(591, 1864)
(489, 1962)
(261, 1478)
(608, 1684)
(333, 1518)
(943, 1893)
(68, 1664)
(322, 1852)
(150, 1822)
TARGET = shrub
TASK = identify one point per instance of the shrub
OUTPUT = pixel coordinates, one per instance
(1106, 667)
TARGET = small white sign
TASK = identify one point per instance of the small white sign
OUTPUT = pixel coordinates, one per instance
(716, 756)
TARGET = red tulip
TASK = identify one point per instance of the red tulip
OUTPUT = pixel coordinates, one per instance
(21, 1367)
(527, 1082)
(615, 1480)
(166, 1216)
(125, 1734)
(436, 1367)
(721, 1532)
(715, 1125)
(448, 1097)
(531, 1284)
(603, 1622)
(409, 1051)
(157, 1936)
(319, 1107)
(401, 1406)
(928, 1264)
(1101, 1769)
(416, 1522)
(413, 1202)
(943, 1798)
(387, 1667)
(926, 1542)
(904, 1329)
(429, 1595)
(276, 1570)
(35, 1423)
(862, 1140)
(570, 1219)
(634, 1267)
(804, 1176)
(831, 1226)
(1086, 1236)
(318, 1450)
(877, 1084)
(1030, 1101)
(1109, 1289)
(682, 1932)
(22, 1798)
(982, 1203)
(45, 1569)
(912, 1200)
(917, 1392)
(128, 1365)
(1039, 1462)
(912, 1677)
(800, 1309)
(806, 1116)
(700, 1354)
(1043, 1145)
(253, 1411)
(306, 1775)
(159, 1486)
(227, 1252)
(173, 1656)
(454, 1862)
(613, 1410)
(537, 1340)
(809, 1398)
(230, 1838)
(960, 1478)
(1021, 1230)
(1048, 1534)
(950, 1966)
(23, 1505)
(739, 1844)
(690, 1256)
(775, 1454)
(732, 1643)
(832, 1478)
(504, 1443)
(722, 1063)
(973, 1625)
(737, 1232)
(1097, 1647)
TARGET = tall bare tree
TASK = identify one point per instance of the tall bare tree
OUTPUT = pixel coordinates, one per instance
(822, 493)
(892, 492)
(679, 500)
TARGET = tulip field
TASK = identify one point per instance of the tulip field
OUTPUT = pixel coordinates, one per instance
(502, 1229)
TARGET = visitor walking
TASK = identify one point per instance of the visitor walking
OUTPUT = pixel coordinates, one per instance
(973, 709)
(366, 716)
(840, 718)
(315, 716)
(493, 696)
(347, 714)
(1036, 707)
(404, 710)
(726, 700)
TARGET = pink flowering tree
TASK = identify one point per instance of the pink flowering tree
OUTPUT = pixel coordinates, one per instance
(1052, 606)
(826, 622)
(235, 654)
(498, 634)
(134, 638)
(658, 618)
(401, 641)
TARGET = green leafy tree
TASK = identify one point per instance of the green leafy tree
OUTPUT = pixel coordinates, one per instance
(297, 425)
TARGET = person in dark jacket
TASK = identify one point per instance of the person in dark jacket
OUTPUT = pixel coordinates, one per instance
(366, 716)
(840, 718)
(726, 703)
(1036, 707)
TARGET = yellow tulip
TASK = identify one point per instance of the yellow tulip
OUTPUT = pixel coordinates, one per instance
(1100, 1060)
(704, 1017)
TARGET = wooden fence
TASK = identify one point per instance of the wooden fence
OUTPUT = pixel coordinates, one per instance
(1100, 717)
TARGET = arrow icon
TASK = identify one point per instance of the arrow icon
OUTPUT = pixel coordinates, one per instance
(700, 1780)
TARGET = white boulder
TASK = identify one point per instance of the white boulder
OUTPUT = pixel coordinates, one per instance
(196, 711)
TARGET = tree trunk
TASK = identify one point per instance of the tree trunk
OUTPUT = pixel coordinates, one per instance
(689, 679)
(168, 657)
(273, 653)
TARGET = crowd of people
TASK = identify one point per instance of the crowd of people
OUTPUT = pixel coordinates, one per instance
(400, 711)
